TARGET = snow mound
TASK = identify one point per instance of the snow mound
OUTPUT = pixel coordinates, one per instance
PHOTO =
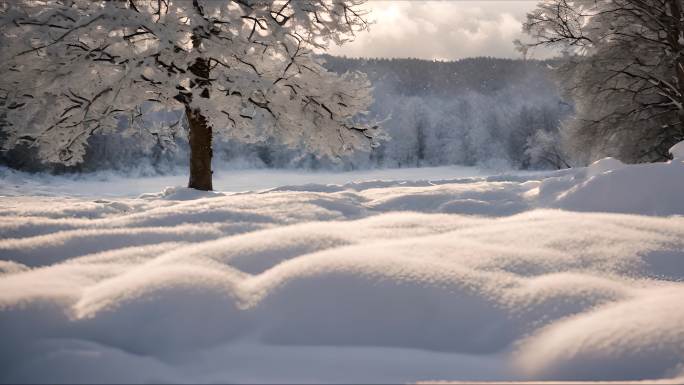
(604, 165)
(478, 279)
(647, 342)
(608, 185)
(181, 194)
(677, 151)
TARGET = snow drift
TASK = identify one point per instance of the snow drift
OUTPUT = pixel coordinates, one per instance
(477, 278)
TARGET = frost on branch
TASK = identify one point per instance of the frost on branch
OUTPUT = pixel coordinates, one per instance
(71, 68)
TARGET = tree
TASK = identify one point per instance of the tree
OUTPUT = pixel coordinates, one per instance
(624, 69)
(73, 68)
(545, 147)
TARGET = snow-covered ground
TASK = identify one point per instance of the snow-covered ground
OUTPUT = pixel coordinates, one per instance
(111, 184)
(451, 274)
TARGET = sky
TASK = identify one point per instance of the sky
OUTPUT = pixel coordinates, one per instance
(441, 30)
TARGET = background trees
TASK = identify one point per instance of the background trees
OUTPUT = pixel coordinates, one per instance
(475, 111)
(165, 70)
(74, 68)
(624, 70)
(457, 106)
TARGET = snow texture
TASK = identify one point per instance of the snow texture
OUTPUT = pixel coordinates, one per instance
(570, 275)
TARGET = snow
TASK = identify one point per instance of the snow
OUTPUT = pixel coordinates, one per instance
(110, 184)
(449, 274)
(604, 165)
(609, 186)
(677, 150)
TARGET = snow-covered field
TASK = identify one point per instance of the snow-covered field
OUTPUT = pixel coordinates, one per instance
(110, 184)
(569, 275)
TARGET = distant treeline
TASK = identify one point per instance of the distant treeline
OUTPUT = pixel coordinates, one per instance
(476, 111)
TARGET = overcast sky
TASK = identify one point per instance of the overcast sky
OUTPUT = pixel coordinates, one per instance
(443, 30)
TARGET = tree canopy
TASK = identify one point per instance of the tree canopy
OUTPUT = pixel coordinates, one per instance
(71, 68)
(624, 69)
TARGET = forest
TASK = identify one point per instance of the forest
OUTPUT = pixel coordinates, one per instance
(489, 112)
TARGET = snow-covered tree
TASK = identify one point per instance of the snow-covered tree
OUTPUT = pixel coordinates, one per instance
(243, 68)
(624, 70)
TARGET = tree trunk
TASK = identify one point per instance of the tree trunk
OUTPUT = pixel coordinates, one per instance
(200, 131)
(675, 37)
(200, 150)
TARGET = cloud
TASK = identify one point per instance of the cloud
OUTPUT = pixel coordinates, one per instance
(440, 29)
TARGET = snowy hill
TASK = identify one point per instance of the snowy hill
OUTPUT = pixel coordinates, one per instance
(568, 275)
